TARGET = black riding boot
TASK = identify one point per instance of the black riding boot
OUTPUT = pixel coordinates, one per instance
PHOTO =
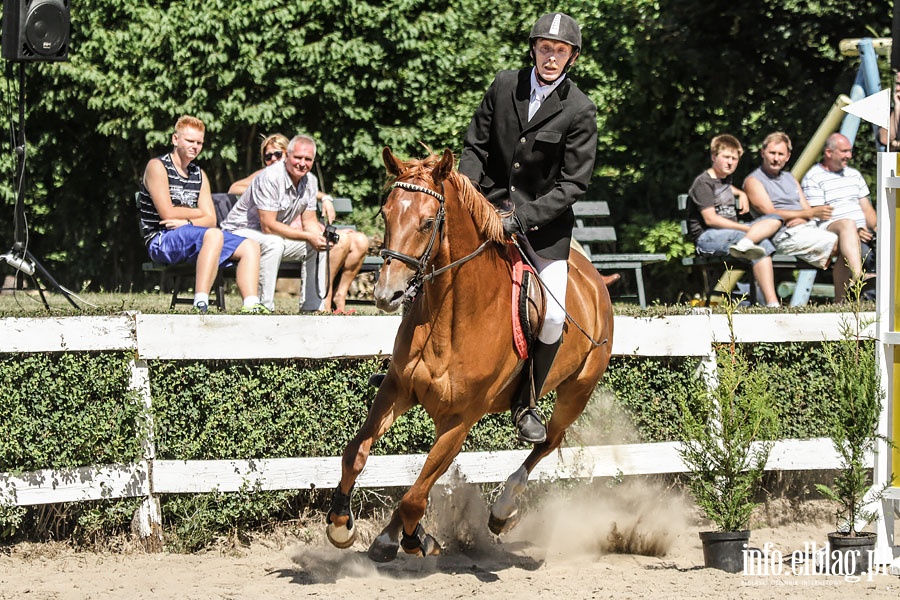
(527, 420)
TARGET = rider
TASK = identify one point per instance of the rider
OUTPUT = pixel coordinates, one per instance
(532, 143)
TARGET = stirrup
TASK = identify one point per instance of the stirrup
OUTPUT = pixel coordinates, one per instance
(529, 424)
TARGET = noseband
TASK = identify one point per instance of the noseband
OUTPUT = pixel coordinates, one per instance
(420, 264)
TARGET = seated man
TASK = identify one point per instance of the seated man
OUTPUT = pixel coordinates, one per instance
(282, 192)
(833, 183)
(772, 190)
(178, 220)
(345, 258)
(712, 217)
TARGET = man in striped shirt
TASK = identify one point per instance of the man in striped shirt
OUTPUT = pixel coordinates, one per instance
(833, 183)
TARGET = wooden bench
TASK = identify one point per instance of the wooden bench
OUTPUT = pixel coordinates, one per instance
(181, 277)
(595, 238)
(713, 266)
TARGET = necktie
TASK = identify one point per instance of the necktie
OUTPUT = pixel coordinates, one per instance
(535, 103)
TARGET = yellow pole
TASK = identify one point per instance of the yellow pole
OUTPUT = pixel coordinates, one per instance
(829, 125)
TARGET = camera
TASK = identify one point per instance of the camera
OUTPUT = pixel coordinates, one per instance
(331, 235)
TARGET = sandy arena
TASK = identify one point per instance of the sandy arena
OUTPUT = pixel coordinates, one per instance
(620, 542)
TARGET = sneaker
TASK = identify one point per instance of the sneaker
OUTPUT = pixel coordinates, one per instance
(201, 308)
(256, 309)
(749, 252)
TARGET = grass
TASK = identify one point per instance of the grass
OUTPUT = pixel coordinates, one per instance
(29, 304)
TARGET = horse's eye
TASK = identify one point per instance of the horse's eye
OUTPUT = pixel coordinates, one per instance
(428, 225)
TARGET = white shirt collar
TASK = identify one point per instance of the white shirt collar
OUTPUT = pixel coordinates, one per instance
(543, 90)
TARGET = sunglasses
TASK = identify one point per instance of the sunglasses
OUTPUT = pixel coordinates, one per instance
(270, 155)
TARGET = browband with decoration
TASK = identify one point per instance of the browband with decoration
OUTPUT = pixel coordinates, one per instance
(412, 187)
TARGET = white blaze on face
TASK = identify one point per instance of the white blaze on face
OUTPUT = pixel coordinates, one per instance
(405, 204)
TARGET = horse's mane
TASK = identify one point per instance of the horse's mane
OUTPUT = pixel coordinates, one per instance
(483, 212)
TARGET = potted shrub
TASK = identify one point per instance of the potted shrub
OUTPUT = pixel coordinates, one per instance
(853, 411)
(727, 438)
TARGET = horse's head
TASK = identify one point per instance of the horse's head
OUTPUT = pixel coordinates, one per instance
(413, 214)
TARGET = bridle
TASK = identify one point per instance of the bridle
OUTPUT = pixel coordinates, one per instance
(420, 265)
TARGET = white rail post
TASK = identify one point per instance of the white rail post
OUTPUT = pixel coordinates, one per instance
(147, 522)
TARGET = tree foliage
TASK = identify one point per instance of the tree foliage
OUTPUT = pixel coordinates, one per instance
(359, 75)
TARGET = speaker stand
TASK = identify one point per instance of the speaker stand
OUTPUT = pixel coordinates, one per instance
(19, 257)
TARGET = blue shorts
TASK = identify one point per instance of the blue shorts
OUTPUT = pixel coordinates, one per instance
(182, 245)
(715, 242)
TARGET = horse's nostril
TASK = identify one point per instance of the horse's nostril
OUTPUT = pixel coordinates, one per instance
(397, 295)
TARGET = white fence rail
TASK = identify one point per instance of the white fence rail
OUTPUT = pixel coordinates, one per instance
(191, 337)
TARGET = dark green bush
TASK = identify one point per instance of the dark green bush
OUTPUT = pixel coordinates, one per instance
(61, 410)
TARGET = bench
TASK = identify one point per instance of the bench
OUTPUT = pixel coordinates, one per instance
(182, 276)
(594, 238)
(712, 266)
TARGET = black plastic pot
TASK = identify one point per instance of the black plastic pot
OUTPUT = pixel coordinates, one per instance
(850, 555)
(724, 550)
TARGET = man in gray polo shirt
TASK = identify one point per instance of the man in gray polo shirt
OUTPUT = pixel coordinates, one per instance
(264, 213)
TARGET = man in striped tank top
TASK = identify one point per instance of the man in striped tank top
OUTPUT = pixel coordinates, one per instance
(178, 220)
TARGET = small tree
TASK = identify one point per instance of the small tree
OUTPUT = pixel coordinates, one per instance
(727, 436)
(852, 416)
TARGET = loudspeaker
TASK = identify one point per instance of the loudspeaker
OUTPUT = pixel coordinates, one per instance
(35, 30)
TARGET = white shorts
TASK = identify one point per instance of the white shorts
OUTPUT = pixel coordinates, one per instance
(807, 242)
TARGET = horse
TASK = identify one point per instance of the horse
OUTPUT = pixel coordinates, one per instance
(446, 261)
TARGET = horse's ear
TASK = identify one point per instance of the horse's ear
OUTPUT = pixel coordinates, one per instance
(444, 167)
(391, 162)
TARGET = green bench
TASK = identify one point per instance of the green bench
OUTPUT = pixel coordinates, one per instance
(596, 239)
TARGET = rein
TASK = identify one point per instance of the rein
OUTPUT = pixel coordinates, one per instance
(437, 233)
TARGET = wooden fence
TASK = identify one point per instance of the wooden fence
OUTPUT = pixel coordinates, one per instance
(192, 337)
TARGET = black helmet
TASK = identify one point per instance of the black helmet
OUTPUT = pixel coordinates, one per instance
(557, 26)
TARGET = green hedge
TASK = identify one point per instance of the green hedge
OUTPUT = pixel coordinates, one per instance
(62, 410)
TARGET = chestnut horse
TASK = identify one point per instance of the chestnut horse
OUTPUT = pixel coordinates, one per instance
(446, 260)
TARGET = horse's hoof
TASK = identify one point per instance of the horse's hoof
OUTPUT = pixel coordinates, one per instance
(430, 546)
(420, 543)
(383, 549)
(340, 537)
(376, 378)
(498, 525)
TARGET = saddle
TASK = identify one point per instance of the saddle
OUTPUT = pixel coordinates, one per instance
(528, 303)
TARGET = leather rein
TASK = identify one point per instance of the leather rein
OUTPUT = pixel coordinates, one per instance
(420, 265)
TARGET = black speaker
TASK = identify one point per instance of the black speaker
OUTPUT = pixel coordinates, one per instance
(35, 30)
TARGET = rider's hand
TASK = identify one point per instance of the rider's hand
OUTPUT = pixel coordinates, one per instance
(511, 224)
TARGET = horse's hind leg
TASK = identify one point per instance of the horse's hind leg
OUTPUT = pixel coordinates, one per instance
(384, 411)
(572, 397)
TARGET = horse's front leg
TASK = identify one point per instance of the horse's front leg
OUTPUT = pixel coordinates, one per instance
(384, 411)
(405, 520)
